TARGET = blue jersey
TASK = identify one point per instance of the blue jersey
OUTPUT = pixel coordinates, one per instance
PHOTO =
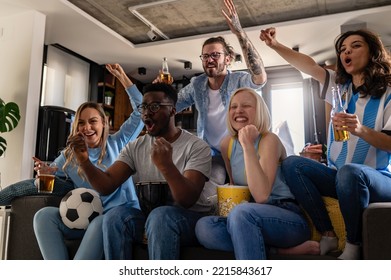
(374, 113)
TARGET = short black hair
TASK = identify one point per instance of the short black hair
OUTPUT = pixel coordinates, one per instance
(168, 90)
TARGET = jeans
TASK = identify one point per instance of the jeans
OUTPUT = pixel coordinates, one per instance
(167, 229)
(51, 232)
(355, 186)
(251, 228)
(122, 226)
(27, 187)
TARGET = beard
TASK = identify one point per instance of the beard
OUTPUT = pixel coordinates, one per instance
(217, 71)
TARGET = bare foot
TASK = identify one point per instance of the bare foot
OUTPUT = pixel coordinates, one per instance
(309, 247)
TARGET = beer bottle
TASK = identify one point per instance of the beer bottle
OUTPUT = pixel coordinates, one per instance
(165, 75)
(339, 135)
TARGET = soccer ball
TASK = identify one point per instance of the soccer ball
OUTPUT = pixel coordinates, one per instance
(79, 207)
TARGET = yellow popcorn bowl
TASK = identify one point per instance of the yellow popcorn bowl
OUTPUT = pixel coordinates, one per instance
(228, 196)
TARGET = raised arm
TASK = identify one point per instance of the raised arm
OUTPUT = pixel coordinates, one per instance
(300, 61)
(117, 71)
(253, 59)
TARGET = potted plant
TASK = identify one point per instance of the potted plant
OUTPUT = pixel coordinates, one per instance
(9, 119)
(108, 97)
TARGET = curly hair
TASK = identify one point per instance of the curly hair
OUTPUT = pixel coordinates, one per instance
(68, 152)
(377, 73)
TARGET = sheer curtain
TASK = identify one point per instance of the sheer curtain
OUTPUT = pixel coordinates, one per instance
(65, 80)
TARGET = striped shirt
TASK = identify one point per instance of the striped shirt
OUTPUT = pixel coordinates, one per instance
(374, 113)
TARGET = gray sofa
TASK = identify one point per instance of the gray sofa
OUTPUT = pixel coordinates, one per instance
(22, 244)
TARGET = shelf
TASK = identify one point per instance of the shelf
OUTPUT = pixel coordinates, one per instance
(185, 113)
(101, 84)
(111, 107)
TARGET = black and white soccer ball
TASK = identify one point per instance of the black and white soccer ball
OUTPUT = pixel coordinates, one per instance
(79, 207)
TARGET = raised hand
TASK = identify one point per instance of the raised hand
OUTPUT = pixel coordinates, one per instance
(232, 17)
(269, 36)
(117, 71)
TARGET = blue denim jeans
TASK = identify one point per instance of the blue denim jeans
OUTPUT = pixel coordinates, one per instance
(251, 228)
(122, 226)
(27, 187)
(51, 232)
(167, 229)
(355, 186)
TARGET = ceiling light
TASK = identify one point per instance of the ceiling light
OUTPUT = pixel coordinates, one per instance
(152, 35)
(238, 58)
(149, 24)
(188, 65)
(142, 71)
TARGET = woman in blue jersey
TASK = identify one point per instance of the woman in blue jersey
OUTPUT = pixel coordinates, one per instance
(358, 171)
(103, 150)
(252, 156)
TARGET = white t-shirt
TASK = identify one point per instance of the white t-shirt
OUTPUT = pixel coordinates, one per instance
(216, 125)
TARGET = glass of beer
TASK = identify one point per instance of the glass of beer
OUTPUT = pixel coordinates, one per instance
(46, 177)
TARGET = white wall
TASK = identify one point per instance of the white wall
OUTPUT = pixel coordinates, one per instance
(21, 52)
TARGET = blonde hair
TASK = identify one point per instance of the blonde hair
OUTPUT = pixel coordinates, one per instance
(262, 115)
(68, 152)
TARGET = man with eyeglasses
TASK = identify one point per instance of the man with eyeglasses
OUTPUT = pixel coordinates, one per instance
(210, 92)
(165, 154)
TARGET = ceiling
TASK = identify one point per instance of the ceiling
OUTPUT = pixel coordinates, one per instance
(108, 31)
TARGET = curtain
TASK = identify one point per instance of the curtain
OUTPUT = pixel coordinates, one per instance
(65, 80)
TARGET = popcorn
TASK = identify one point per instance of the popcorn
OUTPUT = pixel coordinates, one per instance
(229, 196)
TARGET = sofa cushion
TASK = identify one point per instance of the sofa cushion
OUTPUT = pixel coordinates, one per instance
(337, 221)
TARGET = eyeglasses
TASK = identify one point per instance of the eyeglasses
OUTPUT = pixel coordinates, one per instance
(152, 107)
(213, 55)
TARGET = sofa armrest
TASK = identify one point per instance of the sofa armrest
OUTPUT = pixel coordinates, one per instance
(377, 231)
(22, 244)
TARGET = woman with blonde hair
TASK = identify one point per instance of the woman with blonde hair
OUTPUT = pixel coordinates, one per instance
(252, 156)
(103, 149)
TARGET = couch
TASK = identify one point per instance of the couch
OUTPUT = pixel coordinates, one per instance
(22, 244)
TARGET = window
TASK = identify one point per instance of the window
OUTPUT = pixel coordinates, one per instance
(297, 112)
(287, 111)
(65, 80)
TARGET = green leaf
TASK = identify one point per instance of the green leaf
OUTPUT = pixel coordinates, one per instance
(3, 145)
(9, 116)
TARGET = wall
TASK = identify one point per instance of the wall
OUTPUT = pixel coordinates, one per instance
(21, 52)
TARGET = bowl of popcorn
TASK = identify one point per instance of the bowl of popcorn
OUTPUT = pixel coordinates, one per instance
(228, 196)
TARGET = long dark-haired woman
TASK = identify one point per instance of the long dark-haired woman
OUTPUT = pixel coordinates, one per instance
(359, 170)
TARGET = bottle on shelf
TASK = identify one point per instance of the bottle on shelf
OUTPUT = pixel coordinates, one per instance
(339, 135)
(165, 75)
